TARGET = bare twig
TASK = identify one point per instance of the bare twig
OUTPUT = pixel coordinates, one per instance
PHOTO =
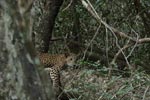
(71, 1)
(107, 57)
(118, 53)
(134, 45)
(60, 38)
(145, 92)
(97, 31)
(57, 39)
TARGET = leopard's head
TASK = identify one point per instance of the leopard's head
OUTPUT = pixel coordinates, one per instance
(70, 59)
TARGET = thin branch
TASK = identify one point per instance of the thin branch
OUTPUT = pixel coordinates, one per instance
(119, 52)
(57, 38)
(134, 45)
(107, 41)
(71, 1)
(145, 92)
(97, 31)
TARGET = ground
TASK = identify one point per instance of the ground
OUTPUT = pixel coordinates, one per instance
(93, 84)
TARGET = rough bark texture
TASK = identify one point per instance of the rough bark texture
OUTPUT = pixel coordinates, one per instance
(45, 22)
(21, 77)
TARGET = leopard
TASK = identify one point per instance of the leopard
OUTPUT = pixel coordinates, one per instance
(53, 64)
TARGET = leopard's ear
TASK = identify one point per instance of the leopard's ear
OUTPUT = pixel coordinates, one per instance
(67, 54)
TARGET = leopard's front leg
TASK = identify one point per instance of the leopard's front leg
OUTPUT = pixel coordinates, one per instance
(55, 77)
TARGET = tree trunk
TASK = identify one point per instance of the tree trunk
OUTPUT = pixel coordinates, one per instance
(45, 22)
(21, 77)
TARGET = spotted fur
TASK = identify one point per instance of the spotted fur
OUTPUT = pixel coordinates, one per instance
(54, 63)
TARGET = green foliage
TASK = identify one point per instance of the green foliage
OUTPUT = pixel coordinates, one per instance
(90, 86)
(102, 70)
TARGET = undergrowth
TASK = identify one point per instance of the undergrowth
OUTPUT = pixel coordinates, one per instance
(93, 84)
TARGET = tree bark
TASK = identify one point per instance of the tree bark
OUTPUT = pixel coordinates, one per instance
(44, 25)
(21, 76)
